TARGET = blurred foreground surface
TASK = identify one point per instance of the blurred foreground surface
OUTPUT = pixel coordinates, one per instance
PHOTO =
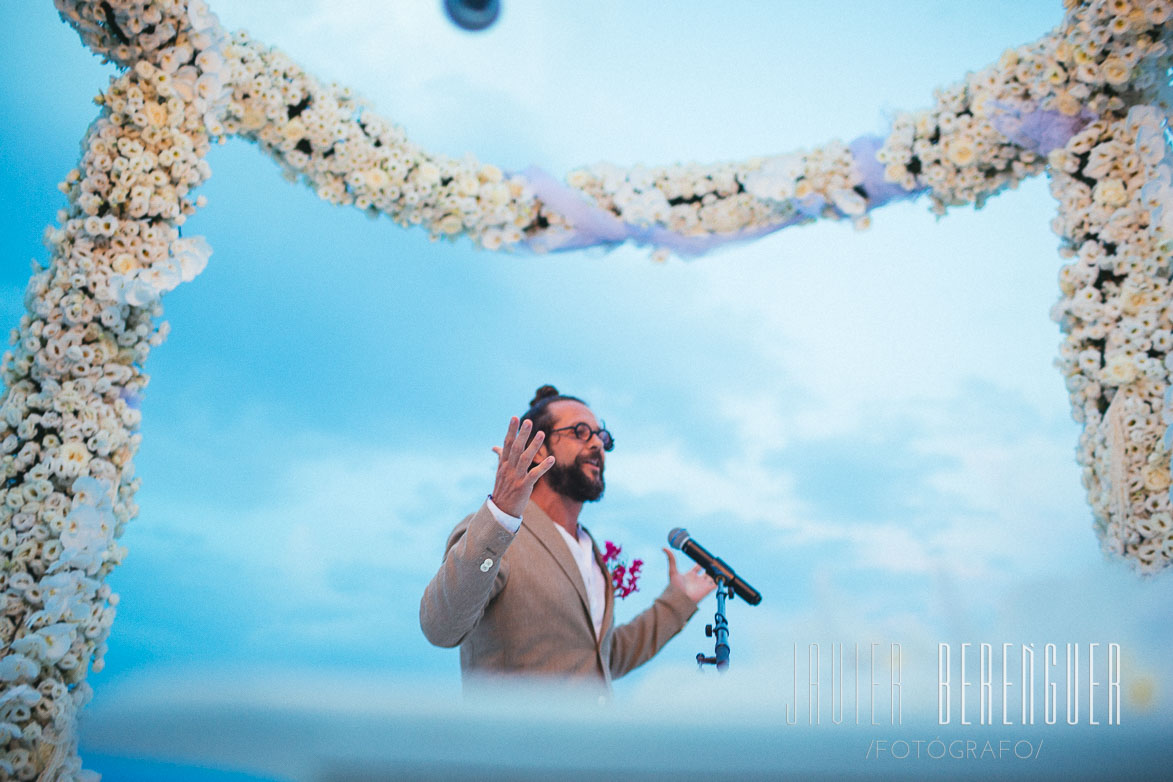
(350, 732)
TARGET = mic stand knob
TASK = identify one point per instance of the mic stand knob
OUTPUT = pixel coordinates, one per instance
(720, 629)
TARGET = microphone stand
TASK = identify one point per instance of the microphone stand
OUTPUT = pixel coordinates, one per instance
(719, 628)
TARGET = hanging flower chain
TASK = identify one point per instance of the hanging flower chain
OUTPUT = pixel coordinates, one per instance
(624, 577)
(1089, 104)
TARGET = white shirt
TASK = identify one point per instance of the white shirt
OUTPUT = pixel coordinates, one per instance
(584, 556)
(592, 575)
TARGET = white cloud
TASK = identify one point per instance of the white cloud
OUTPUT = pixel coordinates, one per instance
(740, 487)
(762, 427)
(453, 91)
(344, 524)
(991, 489)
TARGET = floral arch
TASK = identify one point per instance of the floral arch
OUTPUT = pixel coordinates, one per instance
(1088, 104)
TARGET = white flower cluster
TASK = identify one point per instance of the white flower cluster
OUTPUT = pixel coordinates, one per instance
(1119, 50)
(957, 148)
(73, 377)
(969, 145)
(349, 155)
(129, 31)
(1116, 220)
(727, 198)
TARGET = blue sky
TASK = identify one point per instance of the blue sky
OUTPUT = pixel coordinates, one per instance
(866, 424)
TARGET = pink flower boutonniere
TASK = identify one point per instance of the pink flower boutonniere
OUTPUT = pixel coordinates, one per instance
(624, 577)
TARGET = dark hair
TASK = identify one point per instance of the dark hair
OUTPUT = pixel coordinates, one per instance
(539, 407)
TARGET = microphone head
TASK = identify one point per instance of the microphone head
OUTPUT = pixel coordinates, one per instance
(677, 537)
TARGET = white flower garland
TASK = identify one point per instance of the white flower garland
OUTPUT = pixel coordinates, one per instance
(1088, 103)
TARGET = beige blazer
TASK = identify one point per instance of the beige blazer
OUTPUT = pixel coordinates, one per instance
(516, 604)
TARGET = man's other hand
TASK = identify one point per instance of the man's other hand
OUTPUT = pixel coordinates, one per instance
(695, 582)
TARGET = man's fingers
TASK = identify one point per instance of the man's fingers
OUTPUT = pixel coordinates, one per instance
(509, 435)
(539, 470)
(527, 456)
(519, 443)
(671, 561)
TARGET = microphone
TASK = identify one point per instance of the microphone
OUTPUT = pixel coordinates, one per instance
(680, 540)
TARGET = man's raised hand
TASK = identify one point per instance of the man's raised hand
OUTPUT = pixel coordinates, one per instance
(515, 475)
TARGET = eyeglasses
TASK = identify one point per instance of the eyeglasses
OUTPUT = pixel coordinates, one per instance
(583, 432)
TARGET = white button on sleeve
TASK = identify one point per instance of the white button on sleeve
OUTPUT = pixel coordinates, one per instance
(486, 565)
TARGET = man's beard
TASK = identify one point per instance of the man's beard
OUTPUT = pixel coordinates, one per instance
(571, 481)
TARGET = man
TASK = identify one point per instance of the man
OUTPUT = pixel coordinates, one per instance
(522, 588)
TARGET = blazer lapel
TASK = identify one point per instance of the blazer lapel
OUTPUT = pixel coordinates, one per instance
(542, 526)
(608, 591)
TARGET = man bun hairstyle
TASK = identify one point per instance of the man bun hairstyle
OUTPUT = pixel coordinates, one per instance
(542, 393)
(539, 411)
